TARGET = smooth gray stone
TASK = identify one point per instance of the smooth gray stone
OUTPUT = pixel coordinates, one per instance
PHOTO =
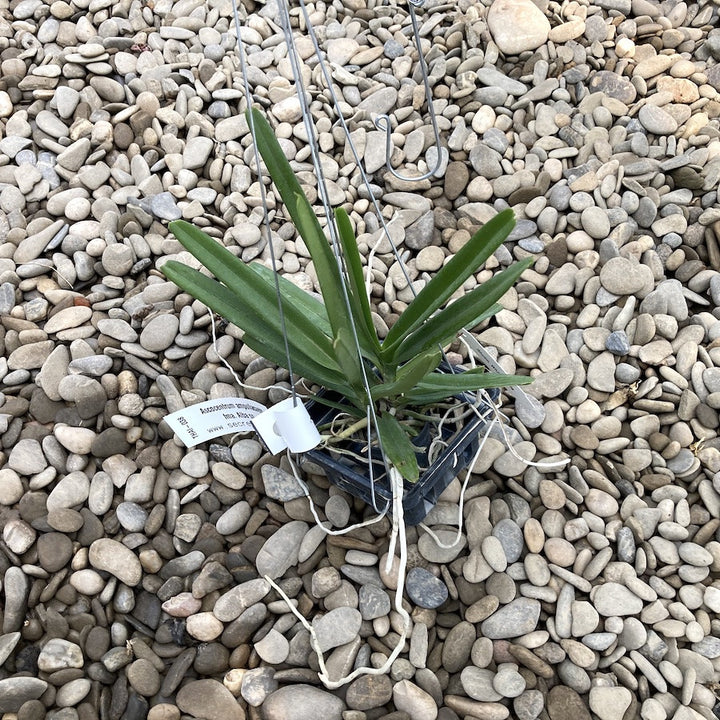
(280, 550)
(15, 691)
(373, 602)
(337, 627)
(492, 77)
(8, 642)
(512, 620)
(300, 702)
(425, 589)
(16, 587)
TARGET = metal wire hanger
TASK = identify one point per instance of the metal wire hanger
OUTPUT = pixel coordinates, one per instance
(382, 122)
(284, 18)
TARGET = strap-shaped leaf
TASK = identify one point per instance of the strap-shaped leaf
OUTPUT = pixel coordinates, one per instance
(326, 265)
(308, 369)
(494, 309)
(397, 447)
(252, 291)
(346, 354)
(463, 311)
(345, 348)
(358, 295)
(310, 306)
(450, 277)
(439, 386)
(409, 375)
(260, 334)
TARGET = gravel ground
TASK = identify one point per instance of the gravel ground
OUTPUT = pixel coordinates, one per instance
(131, 566)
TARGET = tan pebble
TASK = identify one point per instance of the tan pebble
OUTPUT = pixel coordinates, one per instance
(580, 654)
(611, 702)
(615, 106)
(18, 535)
(148, 103)
(164, 711)
(567, 31)
(273, 648)
(61, 10)
(87, 581)
(476, 569)
(552, 495)
(77, 209)
(536, 569)
(482, 710)
(204, 626)
(575, 529)
(584, 437)
(696, 123)
(588, 412)
(151, 560)
(625, 47)
(534, 535)
(492, 450)
(113, 557)
(560, 552)
(390, 579)
(233, 680)
(652, 66)
(682, 90)
(682, 69)
(430, 259)
(601, 503)
(531, 661)
(606, 427)
(494, 554)
(482, 609)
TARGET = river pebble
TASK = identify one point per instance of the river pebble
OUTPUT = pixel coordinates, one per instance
(133, 568)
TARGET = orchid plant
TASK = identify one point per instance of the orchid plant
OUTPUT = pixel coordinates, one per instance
(333, 343)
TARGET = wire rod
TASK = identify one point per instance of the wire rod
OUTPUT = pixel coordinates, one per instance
(382, 122)
(263, 197)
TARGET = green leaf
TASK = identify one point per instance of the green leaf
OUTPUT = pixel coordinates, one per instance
(409, 375)
(449, 278)
(439, 386)
(357, 292)
(259, 334)
(333, 291)
(346, 353)
(325, 262)
(397, 447)
(463, 311)
(494, 309)
(254, 293)
(311, 307)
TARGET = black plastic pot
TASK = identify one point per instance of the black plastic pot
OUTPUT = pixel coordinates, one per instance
(352, 473)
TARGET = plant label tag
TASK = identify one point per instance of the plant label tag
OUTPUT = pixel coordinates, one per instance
(287, 426)
(206, 420)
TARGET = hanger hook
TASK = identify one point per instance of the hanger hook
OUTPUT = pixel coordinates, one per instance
(382, 122)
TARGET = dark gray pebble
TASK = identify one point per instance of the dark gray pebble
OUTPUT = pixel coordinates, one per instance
(425, 589)
(177, 671)
(393, 49)
(373, 602)
(617, 343)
